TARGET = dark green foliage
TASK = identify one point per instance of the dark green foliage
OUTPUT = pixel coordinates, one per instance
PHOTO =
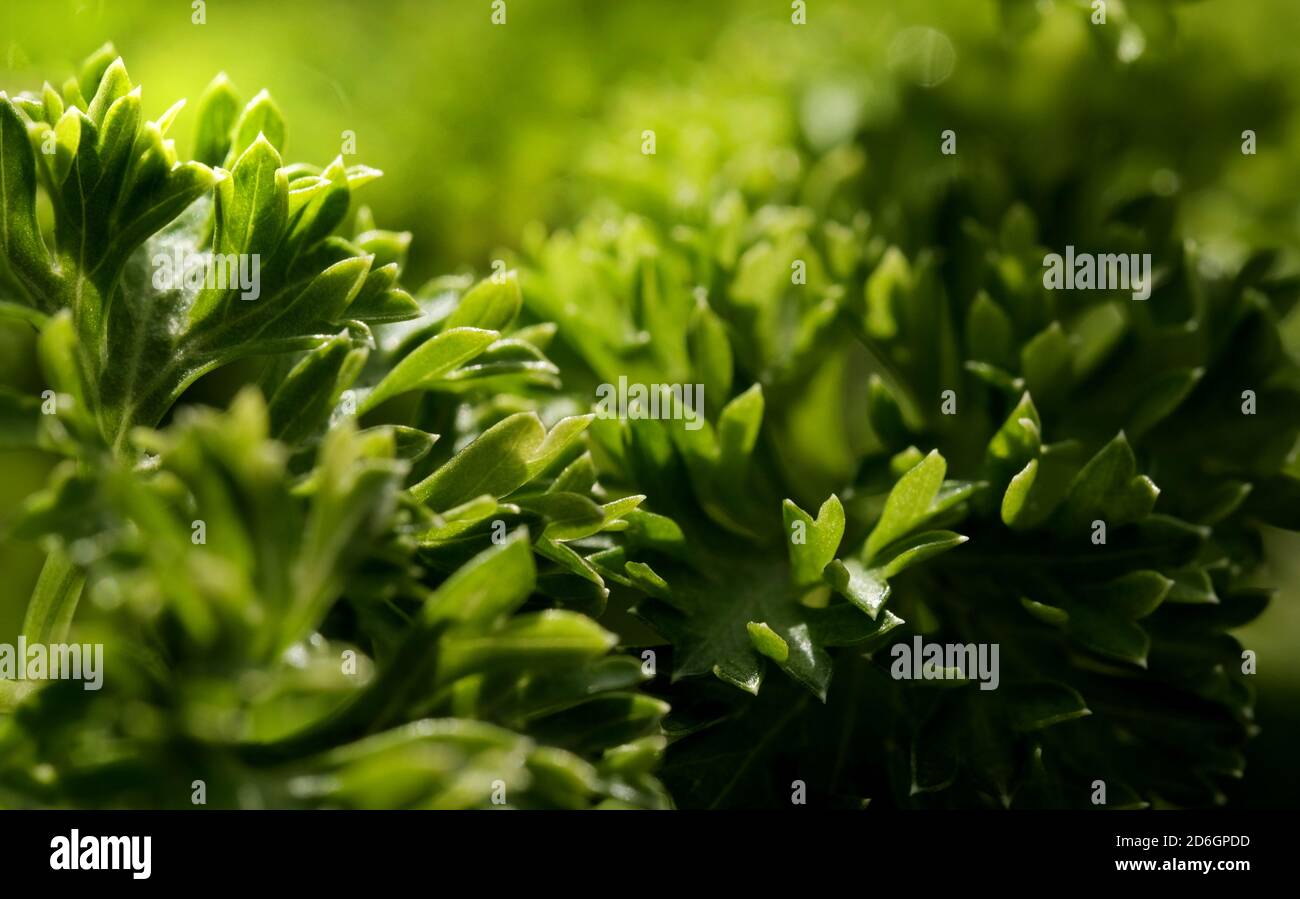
(1067, 409)
(417, 541)
(296, 611)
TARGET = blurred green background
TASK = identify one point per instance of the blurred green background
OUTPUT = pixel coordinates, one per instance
(485, 130)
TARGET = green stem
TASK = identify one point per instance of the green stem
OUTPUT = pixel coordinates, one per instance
(49, 614)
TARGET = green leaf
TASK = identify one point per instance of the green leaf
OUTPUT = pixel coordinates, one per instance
(1095, 335)
(1219, 501)
(885, 291)
(553, 638)
(708, 617)
(556, 444)
(93, 69)
(67, 138)
(260, 120)
(865, 588)
(820, 539)
(1162, 397)
(252, 205)
(1017, 443)
(1015, 501)
(218, 110)
(996, 377)
(569, 516)
(1050, 615)
(488, 587)
(52, 102)
(908, 504)
(612, 517)
(496, 463)
(1108, 489)
(1039, 705)
(915, 548)
(20, 238)
(768, 642)
(57, 349)
(710, 350)
(1110, 635)
(323, 301)
(492, 304)
(73, 95)
(18, 312)
(607, 720)
(455, 521)
(1047, 363)
(117, 136)
(1192, 586)
(579, 476)
(738, 426)
(1134, 595)
(113, 85)
(302, 403)
(317, 206)
(989, 332)
(427, 363)
(380, 301)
